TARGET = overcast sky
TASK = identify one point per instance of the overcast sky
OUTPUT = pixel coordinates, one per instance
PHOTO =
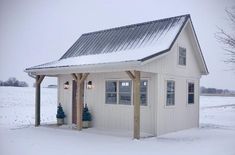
(34, 32)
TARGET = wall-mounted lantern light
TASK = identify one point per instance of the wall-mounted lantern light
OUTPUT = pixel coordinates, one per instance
(66, 85)
(89, 85)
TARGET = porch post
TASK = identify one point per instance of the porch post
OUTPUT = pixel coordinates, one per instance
(39, 79)
(136, 101)
(80, 78)
(79, 100)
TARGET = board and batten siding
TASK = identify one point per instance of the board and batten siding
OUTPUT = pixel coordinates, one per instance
(110, 116)
(181, 115)
(156, 118)
(65, 96)
(117, 116)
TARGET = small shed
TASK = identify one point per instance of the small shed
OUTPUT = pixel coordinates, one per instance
(140, 78)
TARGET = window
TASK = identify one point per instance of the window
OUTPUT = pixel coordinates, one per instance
(190, 93)
(120, 92)
(111, 92)
(170, 96)
(143, 92)
(125, 92)
(182, 56)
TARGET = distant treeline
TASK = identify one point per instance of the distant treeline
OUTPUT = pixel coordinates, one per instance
(215, 91)
(13, 82)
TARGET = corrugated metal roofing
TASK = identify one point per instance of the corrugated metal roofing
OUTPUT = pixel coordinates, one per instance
(137, 42)
(123, 38)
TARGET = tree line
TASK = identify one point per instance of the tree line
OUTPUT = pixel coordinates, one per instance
(12, 81)
(215, 91)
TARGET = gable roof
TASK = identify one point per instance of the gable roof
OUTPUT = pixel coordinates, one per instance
(137, 42)
(129, 37)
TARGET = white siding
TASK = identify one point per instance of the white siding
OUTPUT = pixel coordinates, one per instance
(65, 96)
(115, 116)
(168, 64)
(156, 118)
(181, 116)
(110, 116)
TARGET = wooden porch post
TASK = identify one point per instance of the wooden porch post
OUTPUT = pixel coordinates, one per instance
(39, 79)
(80, 78)
(136, 101)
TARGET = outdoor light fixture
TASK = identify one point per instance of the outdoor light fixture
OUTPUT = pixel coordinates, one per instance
(89, 85)
(66, 85)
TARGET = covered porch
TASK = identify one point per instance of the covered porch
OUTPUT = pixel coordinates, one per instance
(80, 80)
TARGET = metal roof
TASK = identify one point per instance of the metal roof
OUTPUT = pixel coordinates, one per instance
(131, 43)
(123, 38)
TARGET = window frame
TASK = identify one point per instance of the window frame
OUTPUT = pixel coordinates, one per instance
(147, 93)
(118, 94)
(111, 92)
(190, 93)
(166, 93)
(131, 89)
(179, 55)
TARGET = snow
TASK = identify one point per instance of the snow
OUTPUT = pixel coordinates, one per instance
(17, 106)
(223, 107)
(216, 135)
(162, 41)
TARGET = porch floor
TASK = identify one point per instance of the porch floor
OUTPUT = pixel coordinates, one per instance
(98, 131)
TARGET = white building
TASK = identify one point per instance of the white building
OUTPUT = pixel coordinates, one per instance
(106, 66)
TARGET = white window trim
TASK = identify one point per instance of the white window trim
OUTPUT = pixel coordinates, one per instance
(124, 79)
(118, 93)
(147, 104)
(187, 82)
(110, 92)
(165, 94)
(178, 56)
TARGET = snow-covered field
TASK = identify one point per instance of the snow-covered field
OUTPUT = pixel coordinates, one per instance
(18, 136)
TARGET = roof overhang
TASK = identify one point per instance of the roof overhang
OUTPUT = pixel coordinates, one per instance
(95, 68)
(120, 65)
(202, 64)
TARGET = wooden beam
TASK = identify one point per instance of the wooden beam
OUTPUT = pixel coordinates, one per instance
(80, 97)
(84, 76)
(79, 76)
(39, 79)
(37, 104)
(79, 100)
(136, 101)
(132, 77)
(74, 77)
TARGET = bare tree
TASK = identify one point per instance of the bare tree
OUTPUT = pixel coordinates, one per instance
(228, 39)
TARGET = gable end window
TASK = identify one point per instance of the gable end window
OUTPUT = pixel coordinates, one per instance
(182, 56)
(191, 93)
(170, 93)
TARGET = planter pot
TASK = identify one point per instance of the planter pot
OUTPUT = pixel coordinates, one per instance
(85, 124)
(60, 121)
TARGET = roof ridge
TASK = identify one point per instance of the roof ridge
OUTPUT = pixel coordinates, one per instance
(137, 24)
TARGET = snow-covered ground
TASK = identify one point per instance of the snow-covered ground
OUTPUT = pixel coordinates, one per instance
(216, 135)
(17, 106)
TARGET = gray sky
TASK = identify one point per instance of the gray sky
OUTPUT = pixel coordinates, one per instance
(34, 32)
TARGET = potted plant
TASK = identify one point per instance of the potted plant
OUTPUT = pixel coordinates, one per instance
(86, 117)
(60, 115)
